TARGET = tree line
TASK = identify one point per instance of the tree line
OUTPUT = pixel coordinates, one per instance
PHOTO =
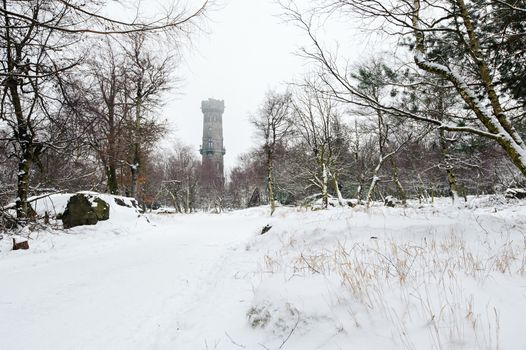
(445, 116)
(81, 93)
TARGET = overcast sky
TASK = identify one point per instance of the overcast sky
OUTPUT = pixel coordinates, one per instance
(247, 50)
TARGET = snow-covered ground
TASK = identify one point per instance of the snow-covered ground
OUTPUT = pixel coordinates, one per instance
(424, 277)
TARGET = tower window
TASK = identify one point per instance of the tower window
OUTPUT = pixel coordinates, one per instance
(210, 142)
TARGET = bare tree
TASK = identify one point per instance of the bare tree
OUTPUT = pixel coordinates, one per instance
(248, 179)
(148, 77)
(440, 102)
(30, 67)
(273, 123)
(81, 17)
(183, 168)
(121, 94)
(315, 115)
(105, 110)
(374, 80)
(40, 47)
(445, 43)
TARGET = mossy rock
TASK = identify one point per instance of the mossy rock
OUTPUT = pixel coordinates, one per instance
(102, 210)
(80, 211)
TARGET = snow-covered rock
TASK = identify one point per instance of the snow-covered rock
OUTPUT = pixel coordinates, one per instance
(519, 193)
(83, 209)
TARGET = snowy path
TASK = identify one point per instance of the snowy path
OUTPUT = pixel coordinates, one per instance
(153, 290)
(327, 280)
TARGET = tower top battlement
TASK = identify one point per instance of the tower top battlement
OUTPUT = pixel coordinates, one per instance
(212, 105)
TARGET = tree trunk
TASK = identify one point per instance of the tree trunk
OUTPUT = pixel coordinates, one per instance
(399, 188)
(270, 182)
(337, 189)
(359, 190)
(187, 195)
(175, 201)
(111, 176)
(21, 204)
(370, 191)
(134, 177)
(136, 162)
(453, 188)
(324, 187)
(374, 181)
(25, 157)
(111, 167)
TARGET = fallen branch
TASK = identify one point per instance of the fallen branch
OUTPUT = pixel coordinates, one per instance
(233, 342)
(291, 331)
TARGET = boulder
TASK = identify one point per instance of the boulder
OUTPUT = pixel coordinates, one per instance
(121, 202)
(519, 193)
(352, 202)
(102, 210)
(82, 211)
(266, 229)
(132, 203)
(390, 201)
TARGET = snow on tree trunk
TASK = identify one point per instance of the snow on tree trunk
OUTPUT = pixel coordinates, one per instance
(325, 180)
(26, 153)
(21, 204)
(134, 172)
(135, 167)
(336, 186)
(371, 189)
(451, 180)
(374, 181)
(359, 192)
(270, 182)
(493, 117)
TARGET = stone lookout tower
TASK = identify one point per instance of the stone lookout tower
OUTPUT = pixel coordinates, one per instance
(212, 148)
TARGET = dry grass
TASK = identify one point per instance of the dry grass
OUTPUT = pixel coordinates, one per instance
(407, 283)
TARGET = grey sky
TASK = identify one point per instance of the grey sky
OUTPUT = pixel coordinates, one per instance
(247, 50)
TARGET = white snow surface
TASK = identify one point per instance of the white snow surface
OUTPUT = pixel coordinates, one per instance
(431, 276)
